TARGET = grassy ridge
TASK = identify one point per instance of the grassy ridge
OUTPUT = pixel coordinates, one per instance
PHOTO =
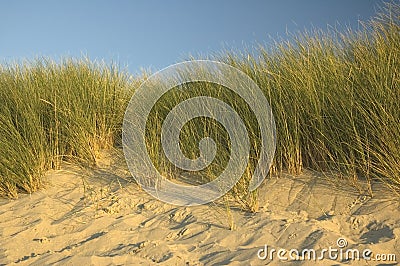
(335, 98)
(52, 112)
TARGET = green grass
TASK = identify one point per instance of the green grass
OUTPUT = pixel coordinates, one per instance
(335, 97)
(336, 100)
(53, 112)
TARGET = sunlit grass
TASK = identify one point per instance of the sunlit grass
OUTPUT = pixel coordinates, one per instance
(335, 97)
(53, 112)
(336, 100)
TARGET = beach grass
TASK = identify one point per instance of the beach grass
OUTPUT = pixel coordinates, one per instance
(335, 97)
(56, 111)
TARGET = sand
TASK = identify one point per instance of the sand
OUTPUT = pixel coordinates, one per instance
(101, 217)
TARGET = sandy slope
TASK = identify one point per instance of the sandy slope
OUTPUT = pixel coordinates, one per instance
(99, 218)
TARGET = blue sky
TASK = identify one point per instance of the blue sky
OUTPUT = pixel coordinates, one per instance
(154, 34)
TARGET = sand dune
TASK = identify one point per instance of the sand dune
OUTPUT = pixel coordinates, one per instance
(102, 218)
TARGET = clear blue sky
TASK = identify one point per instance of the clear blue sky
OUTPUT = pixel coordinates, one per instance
(155, 34)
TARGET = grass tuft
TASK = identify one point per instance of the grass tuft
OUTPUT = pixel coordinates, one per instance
(53, 112)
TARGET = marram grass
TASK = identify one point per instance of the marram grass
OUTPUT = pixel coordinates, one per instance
(336, 100)
(335, 97)
(52, 112)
